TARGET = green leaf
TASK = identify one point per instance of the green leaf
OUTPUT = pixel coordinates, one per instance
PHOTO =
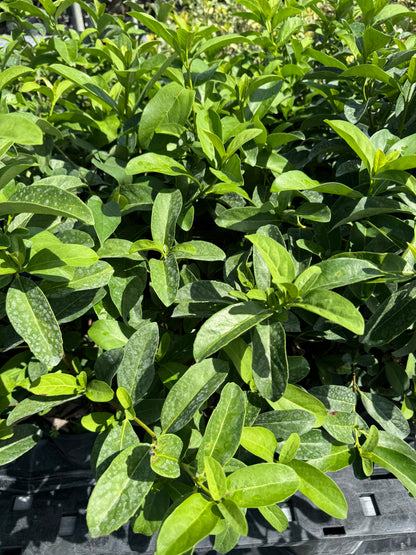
(90, 277)
(368, 71)
(164, 456)
(338, 272)
(386, 414)
(241, 355)
(97, 421)
(261, 484)
(354, 137)
(166, 209)
(188, 524)
(259, 441)
(10, 74)
(391, 317)
(222, 434)
(23, 439)
(55, 384)
(18, 129)
(216, 478)
(120, 491)
(170, 105)
(351, 210)
(335, 397)
(150, 515)
(226, 325)
(297, 398)
(270, 366)
(198, 383)
(339, 456)
(371, 441)
(277, 258)
(320, 489)
(46, 199)
(136, 370)
(285, 422)
(35, 404)
(164, 276)
(31, 316)
(158, 163)
(342, 425)
(109, 334)
(275, 516)
(214, 44)
(107, 217)
(110, 443)
(234, 516)
(289, 449)
(198, 250)
(99, 392)
(333, 307)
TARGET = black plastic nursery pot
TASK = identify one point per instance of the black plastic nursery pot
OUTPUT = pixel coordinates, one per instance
(44, 495)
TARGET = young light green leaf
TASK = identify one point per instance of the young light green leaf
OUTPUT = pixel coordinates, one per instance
(164, 455)
(222, 435)
(11, 74)
(150, 515)
(289, 449)
(47, 199)
(371, 441)
(333, 307)
(261, 484)
(356, 139)
(259, 441)
(275, 516)
(158, 163)
(339, 456)
(23, 439)
(18, 129)
(277, 258)
(189, 523)
(120, 490)
(109, 334)
(136, 370)
(342, 425)
(107, 217)
(165, 212)
(198, 250)
(193, 388)
(164, 276)
(386, 414)
(170, 105)
(296, 398)
(226, 325)
(216, 478)
(234, 516)
(99, 392)
(241, 355)
(320, 489)
(55, 384)
(31, 316)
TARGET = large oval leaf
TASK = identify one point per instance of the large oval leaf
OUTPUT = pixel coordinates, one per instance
(18, 129)
(47, 199)
(189, 523)
(226, 325)
(260, 485)
(277, 258)
(198, 383)
(31, 316)
(285, 422)
(120, 490)
(386, 414)
(165, 212)
(23, 439)
(296, 398)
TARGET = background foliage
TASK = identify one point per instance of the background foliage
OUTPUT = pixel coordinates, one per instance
(208, 253)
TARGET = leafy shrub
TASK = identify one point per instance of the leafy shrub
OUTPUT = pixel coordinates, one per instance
(210, 256)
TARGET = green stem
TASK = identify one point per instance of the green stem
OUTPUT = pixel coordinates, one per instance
(194, 478)
(143, 425)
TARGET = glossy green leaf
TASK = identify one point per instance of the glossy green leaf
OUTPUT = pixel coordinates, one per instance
(216, 478)
(198, 383)
(371, 441)
(261, 484)
(97, 421)
(226, 325)
(23, 439)
(170, 105)
(198, 250)
(47, 199)
(270, 366)
(166, 209)
(164, 456)
(285, 422)
(35, 404)
(368, 71)
(90, 277)
(234, 516)
(289, 449)
(150, 515)
(164, 276)
(386, 413)
(241, 355)
(340, 456)
(341, 426)
(320, 489)
(259, 441)
(222, 434)
(332, 306)
(109, 334)
(354, 137)
(158, 163)
(352, 210)
(189, 523)
(11, 74)
(110, 443)
(338, 272)
(31, 316)
(335, 397)
(277, 258)
(136, 370)
(297, 398)
(120, 490)
(55, 384)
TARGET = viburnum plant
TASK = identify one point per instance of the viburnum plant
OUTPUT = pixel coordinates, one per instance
(208, 249)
